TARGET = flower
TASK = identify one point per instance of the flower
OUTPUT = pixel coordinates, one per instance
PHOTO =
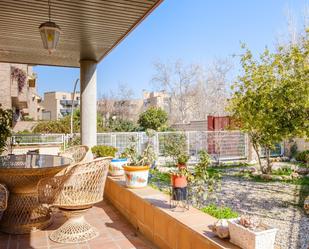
(20, 76)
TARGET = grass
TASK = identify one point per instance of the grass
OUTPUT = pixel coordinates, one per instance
(219, 212)
(282, 172)
(157, 176)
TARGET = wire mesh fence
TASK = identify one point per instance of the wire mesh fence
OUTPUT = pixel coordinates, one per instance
(221, 145)
(30, 139)
(224, 144)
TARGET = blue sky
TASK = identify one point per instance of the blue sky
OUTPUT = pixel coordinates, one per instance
(195, 31)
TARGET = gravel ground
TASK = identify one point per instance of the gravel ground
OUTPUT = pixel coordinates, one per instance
(276, 203)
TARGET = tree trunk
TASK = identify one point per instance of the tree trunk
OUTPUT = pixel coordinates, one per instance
(256, 149)
(268, 166)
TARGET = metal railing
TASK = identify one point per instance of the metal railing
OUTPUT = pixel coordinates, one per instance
(221, 145)
(225, 145)
(37, 139)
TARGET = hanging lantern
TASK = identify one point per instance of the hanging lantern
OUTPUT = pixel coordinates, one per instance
(50, 33)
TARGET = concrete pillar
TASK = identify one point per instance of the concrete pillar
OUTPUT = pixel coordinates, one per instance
(88, 89)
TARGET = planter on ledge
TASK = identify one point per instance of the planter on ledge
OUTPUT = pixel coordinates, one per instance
(136, 176)
(261, 238)
(179, 187)
(116, 167)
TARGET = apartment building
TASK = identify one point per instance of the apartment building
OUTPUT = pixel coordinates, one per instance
(131, 108)
(18, 91)
(59, 104)
(159, 99)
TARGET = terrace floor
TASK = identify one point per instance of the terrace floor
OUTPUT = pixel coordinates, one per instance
(115, 233)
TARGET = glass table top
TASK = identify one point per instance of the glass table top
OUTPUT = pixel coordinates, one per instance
(33, 161)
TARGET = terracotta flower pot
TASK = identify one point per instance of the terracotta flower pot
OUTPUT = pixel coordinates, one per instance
(181, 166)
(136, 176)
(179, 181)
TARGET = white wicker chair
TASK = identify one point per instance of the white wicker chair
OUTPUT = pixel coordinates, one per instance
(74, 191)
(77, 153)
(4, 195)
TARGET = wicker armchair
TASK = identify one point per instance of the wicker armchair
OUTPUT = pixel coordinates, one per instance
(4, 195)
(77, 153)
(74, 191)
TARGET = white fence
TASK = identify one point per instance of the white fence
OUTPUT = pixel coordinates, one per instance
(33, 139)
(223, 145)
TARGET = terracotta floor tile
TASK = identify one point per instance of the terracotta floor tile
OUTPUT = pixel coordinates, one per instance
(115, 233)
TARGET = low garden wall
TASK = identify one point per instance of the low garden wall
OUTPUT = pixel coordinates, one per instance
(148, 210)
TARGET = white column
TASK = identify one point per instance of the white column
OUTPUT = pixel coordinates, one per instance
(88, 88)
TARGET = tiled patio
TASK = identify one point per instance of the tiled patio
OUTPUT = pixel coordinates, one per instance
(115, 233)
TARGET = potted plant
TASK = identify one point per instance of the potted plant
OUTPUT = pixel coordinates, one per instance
(179, 184)
(116, 165)
(137, 168)
(182, 160)
(32, 79)
(103, 151)
(249, 233)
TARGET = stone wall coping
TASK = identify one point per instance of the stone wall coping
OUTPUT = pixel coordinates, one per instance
(136, 204)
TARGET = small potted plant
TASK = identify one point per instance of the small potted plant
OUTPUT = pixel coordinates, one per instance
(249, 233)
(31, 80)
(116, 165)
(137, 168)
(179, 184)
(182, 160)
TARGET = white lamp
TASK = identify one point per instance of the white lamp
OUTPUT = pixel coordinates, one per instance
(50, 33)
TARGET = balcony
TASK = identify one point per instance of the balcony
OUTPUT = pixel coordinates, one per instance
(65, 111)
(66, 102)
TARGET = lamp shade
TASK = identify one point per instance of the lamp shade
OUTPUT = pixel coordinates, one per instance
(50, 34)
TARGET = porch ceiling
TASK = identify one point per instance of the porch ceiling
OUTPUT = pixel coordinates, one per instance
(90, 28)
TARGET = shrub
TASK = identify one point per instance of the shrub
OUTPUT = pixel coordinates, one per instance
(303, 156)
(153, 118)
(220, 212)
(183, 159)
(104, 150)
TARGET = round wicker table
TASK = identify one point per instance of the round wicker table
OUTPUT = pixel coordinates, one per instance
(21, 174)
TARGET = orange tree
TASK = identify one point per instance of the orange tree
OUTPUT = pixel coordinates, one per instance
(270, 99)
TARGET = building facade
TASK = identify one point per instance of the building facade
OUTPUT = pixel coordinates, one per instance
(59, 104)
(130, 109)
(159, 99)
(18, 91)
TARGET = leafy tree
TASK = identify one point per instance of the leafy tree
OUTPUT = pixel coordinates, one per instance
(153, 118)
(63, 125)
(6, 118)
(271, 98)
(121, 125)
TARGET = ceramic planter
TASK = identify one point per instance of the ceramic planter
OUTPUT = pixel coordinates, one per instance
(136, 176)
(249, 239)
(116, 167)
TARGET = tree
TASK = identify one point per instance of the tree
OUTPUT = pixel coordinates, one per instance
(6, 117)
(153, 118)
(194, 92)
(118, 104)
(63, 125)
(121, 125)
(271, 98)
(181, 82)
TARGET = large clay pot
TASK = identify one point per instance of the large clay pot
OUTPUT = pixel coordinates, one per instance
(116, 167)
(136, 176)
